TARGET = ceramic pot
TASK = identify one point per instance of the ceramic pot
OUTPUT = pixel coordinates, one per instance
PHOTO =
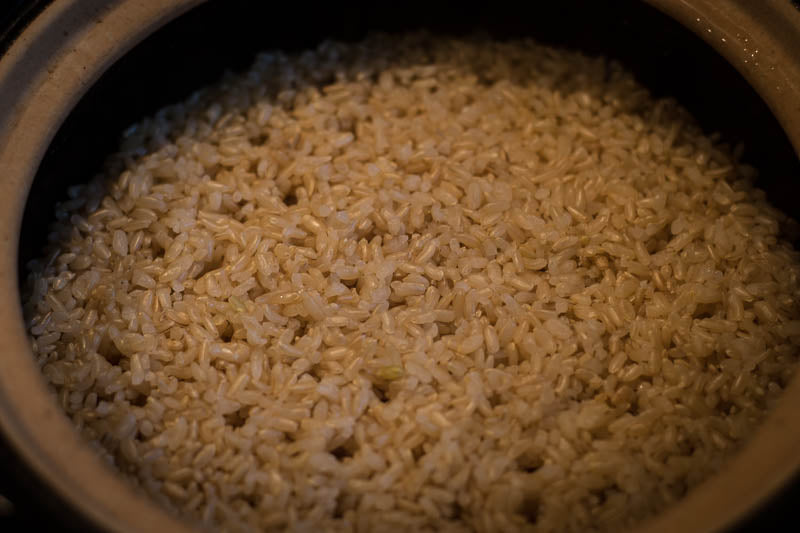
(72, 75)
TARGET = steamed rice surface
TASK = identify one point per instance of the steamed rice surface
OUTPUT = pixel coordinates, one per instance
(418, 284)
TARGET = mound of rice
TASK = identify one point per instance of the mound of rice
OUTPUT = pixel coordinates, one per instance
(417, 283)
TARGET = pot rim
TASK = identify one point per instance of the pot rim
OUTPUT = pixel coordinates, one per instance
(71, 43)
(760, 39)
(44, 73)
(757, 39)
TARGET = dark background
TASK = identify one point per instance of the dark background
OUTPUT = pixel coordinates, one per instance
(199, 47)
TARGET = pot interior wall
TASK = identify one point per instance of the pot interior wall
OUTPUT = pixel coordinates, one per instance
(197, 49)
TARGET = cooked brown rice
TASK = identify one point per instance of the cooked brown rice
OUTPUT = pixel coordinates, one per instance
(418, 284)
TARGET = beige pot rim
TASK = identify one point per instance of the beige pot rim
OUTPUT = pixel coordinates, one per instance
(72, 42)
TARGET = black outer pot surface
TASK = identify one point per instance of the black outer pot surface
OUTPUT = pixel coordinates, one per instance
(197, 48)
